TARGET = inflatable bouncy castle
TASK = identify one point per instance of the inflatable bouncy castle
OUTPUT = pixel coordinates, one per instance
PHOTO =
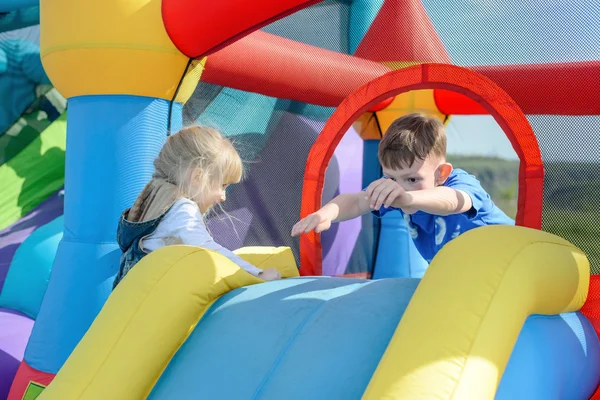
(305, 89)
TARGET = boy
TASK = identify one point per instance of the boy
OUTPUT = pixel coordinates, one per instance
(438, 203)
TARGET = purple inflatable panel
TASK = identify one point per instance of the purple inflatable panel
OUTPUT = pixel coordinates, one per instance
(339, 244)
(265, 206)
(15, 329)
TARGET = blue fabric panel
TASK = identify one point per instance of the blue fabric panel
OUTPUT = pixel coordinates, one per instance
(397, 256)
(21, 71)
(371, 166)
(362, 15)
(236, 112)
(112, 142)
(323, 25)
(322, 338)
(30, 268)
(12, 5)
(556, 358)
(304, 338)
(20, 19)
(371, 225)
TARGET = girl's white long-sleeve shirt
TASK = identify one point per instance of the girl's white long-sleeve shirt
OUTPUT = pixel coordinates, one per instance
(183, 224)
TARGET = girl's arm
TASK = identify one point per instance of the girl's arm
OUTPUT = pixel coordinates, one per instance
(188, 225)
(201, 238)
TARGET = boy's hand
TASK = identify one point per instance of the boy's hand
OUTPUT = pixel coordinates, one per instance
(270, 274)
(385, 192)
(315, 221)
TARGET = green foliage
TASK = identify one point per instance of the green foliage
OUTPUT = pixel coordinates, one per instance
(500, 178)
(571, 207)
(571, 190)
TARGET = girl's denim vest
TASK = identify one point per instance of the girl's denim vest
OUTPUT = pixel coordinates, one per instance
(130, 236)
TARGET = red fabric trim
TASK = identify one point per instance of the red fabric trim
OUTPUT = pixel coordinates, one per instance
(425, 76)
(26, 374)
(591, 310)
(200, 28)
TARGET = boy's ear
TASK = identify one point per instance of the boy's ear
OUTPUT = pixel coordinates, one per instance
(442, 173)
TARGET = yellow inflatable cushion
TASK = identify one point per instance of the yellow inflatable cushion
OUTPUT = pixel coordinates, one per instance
(149, 316)
(459, 330)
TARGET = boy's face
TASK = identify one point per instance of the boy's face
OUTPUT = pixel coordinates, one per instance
(423, 174)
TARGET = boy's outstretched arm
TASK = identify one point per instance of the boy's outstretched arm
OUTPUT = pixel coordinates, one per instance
(440, 200)
(344, 207)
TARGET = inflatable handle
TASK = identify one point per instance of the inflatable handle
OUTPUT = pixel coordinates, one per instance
(459, 330)
(149, 316)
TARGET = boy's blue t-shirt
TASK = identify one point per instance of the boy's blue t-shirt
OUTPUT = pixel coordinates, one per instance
(431, 232)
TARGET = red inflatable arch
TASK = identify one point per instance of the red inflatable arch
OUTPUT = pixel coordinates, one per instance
(424, 76)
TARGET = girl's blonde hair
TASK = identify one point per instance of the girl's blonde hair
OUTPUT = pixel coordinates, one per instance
(191, 148)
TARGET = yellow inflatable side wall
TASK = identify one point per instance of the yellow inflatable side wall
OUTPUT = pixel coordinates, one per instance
(149, 316)
(459, 330)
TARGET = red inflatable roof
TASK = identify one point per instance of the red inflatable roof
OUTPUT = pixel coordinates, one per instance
(186, 21)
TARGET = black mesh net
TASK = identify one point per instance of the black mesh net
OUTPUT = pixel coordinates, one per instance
(274, 135)
(570, 149)
(516, 32)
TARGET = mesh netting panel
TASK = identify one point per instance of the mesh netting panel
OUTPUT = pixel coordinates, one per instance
(324, 25)
(488, 155)
(570, 149)
(274, 137)
(484, 33)
(264, 207)
(499, 177)
(516, 31)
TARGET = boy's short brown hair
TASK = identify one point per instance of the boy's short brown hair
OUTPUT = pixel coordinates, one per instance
(411, 137)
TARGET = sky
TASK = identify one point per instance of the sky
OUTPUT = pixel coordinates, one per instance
(481, 32)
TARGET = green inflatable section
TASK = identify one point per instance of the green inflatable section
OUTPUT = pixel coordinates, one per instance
(34, 174)
(47, 107)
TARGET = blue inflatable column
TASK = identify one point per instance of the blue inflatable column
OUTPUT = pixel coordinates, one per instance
(397, 256)
(112, 142)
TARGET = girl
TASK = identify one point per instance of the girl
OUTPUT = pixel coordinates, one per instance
(193, 170)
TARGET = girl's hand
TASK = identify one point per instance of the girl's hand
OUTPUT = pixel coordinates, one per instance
(270, 274)
(314, 222)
